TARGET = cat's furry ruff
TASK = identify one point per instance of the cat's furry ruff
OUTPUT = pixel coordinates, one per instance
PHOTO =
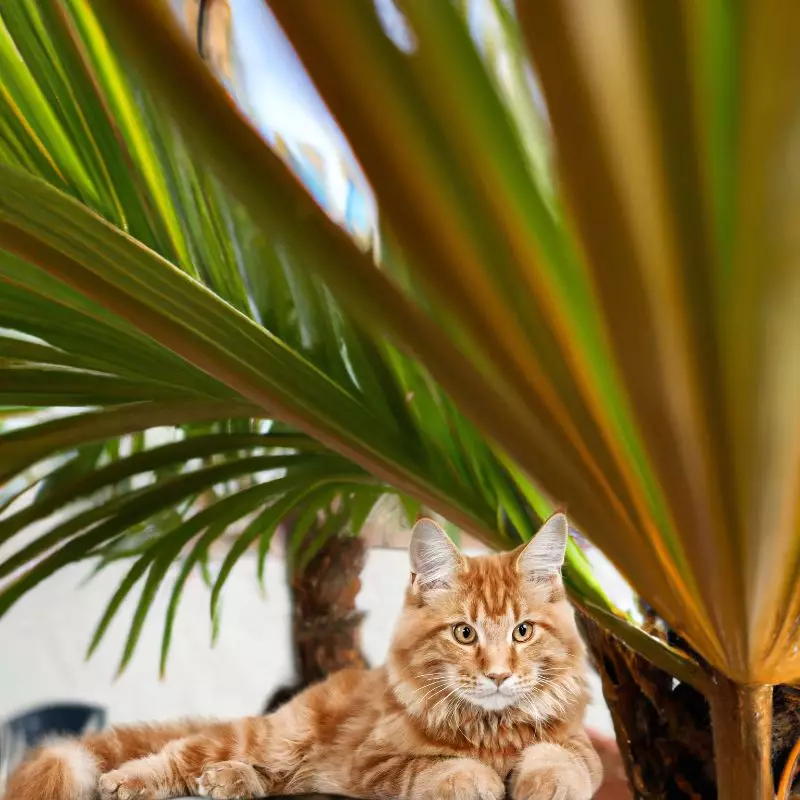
(442, 719)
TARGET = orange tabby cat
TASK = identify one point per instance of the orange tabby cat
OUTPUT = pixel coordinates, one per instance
(484, 684)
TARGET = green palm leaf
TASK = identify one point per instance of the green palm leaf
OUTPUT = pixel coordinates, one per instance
(138, 285)
(624, 343)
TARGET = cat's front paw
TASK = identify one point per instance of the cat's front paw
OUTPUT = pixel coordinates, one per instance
(233, 780)
(467, 780)
(549, 772)
(121, 784)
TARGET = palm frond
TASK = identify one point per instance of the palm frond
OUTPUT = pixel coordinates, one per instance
(152, 503)
(606, 348)
(138, 285)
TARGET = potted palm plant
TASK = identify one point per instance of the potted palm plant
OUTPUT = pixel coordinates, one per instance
(586, 300)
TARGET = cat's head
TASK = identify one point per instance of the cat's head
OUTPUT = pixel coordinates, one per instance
(493, 633)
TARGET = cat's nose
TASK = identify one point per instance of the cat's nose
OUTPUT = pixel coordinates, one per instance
(498, 677)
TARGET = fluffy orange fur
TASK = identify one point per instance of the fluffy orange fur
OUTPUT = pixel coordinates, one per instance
(484, 689)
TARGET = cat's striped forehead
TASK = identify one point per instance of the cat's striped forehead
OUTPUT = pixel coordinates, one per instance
(493, 587)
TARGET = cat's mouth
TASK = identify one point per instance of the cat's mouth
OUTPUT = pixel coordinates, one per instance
(495, 701)
(494, 698)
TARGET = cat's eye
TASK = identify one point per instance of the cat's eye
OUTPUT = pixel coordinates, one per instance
(464, 634)
(523, 632)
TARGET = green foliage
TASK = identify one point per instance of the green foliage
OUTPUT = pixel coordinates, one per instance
(630, 339)
(135, 291)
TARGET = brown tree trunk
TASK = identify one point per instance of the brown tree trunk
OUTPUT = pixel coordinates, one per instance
(741, 722)
(664, 728)
(325, 621)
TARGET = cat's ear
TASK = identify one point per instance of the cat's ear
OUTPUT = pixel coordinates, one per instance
(435, 560)
(543, 556)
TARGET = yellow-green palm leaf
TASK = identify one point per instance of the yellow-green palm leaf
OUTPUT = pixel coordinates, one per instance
(136, 292)
(631, 342)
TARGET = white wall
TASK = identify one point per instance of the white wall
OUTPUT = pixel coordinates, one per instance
(44, 637)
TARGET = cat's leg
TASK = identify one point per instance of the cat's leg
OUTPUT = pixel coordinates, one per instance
(569, 770)
(216, 763)
(149, 778)
(71, 767)
(427, 778)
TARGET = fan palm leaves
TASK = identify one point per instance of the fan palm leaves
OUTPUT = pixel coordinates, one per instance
(139, 296)
(626, 347)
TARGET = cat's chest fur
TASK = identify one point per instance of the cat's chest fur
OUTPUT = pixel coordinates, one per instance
(491, 741)
(495, 740)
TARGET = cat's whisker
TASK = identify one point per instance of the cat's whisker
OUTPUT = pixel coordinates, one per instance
(423, 675)
(430, 678)
(432, 695)
(429, 687)
(548, 688)
(439, 702)
(557, 694)
(434, 692)
(549, 692)
(541, 706)
(460, 702)
(433, 682)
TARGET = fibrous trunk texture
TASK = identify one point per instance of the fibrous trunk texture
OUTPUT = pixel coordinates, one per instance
(664, 728)
(325, 621)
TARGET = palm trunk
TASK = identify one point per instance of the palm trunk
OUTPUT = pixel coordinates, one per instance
(741, 719)
(675, 743)
(663, 731)
(325, 620)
